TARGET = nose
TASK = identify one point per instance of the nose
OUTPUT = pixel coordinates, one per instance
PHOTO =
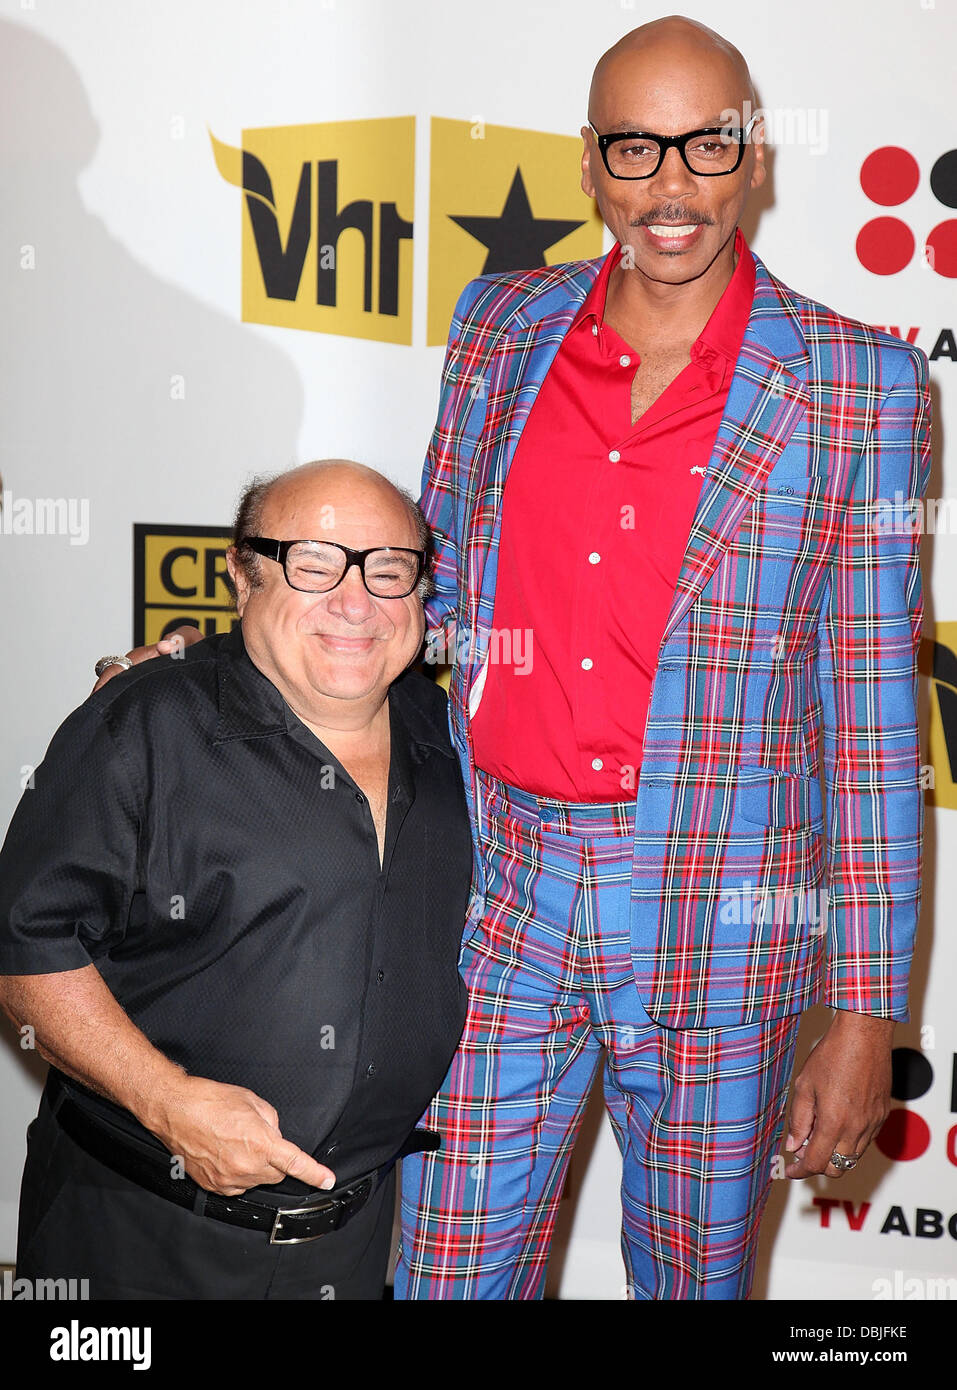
(351, 598)
(674, 178)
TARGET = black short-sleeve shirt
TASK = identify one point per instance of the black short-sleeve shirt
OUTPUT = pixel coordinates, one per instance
(195, 841)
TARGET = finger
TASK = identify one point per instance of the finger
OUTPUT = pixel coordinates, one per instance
(824, 1140)
(109, 672)
(183, 636)
(217, 1182)
(229, 1180)
(812, 1153)
(264, 1110)
(795, 1168)
(298, 1164)
(850, 1148)
(176, 642)
(801, 1120)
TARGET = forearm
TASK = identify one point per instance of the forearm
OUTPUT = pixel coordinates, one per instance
(83, 1031)
(228, 1137)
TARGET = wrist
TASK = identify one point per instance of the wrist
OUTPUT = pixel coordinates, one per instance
(157, 1095)
(869, 1025)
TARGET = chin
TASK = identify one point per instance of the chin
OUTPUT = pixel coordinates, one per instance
(345, 683)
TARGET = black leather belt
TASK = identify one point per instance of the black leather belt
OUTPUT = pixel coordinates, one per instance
(315, 1217)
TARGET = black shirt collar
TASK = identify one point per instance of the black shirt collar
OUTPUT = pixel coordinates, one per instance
(250, 706)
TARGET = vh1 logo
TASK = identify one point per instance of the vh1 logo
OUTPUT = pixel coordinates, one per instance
(328, 218)
(318, 252)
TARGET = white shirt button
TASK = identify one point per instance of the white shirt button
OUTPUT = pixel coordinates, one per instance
(597, 764)
(594, 558)
(624, 361)
(614, 456)
(587, 663)
(594, 329)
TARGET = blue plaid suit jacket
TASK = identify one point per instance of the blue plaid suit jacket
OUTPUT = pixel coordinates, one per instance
(779, 808)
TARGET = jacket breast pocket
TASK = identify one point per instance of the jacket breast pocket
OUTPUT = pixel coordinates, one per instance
(783, 800)
(791, 490)
(789, 527)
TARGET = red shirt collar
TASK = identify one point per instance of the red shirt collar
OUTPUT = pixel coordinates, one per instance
(725, 328)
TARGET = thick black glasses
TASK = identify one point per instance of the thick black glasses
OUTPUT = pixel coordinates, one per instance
(315, 567)
(636, 154)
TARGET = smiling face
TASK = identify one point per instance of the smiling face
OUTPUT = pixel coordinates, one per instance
(671, 78)
(334, 655)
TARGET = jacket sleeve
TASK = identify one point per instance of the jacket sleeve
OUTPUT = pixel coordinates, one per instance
(869, 635)
(442, 486)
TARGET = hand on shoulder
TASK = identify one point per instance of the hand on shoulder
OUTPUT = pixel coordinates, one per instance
(167, 646)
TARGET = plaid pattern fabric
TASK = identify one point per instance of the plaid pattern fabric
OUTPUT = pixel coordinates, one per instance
(697, 1113)
(788, 658)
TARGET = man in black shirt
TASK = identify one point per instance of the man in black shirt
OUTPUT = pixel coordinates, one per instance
(231, 909)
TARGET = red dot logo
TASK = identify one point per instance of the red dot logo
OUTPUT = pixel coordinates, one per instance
(885, 245)
(941, 250)
(903, 1135)
(890, 176)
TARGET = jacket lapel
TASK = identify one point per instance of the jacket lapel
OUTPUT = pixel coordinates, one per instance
(508, 376)
(767, 399)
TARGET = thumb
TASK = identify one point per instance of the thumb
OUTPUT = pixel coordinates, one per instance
(298, 1164)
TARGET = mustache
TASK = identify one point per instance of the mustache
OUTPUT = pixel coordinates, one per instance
(673, 215)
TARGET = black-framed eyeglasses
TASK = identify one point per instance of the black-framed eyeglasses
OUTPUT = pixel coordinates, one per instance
(315, 567)
(708, 153)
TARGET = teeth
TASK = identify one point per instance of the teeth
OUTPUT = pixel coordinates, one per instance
(673, 231)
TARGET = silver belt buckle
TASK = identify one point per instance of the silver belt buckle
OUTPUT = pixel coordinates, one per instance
(339, 1202)
(275, 1238)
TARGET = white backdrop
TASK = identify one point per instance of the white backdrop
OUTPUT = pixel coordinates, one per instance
(133, 391)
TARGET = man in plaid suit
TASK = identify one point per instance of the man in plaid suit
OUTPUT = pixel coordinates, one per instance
(674, 615)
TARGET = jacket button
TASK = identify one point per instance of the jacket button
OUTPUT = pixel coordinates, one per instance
(360, 798)
(380, 976)
(370, 1069)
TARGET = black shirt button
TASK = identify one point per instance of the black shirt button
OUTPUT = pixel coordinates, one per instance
(360, 798)
(380, 976)
(332, 1148)
(370, 1069)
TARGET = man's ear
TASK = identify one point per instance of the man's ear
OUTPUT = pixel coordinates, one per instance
(588, 148)
(759, 169)
(238, 575)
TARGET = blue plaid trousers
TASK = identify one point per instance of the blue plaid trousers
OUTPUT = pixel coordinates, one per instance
(697, 1113)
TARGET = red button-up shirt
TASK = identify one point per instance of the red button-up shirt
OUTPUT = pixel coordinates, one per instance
(595, 520)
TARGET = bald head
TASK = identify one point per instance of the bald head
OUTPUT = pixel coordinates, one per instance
(270, 506)
(332, 638)
(666, 55)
